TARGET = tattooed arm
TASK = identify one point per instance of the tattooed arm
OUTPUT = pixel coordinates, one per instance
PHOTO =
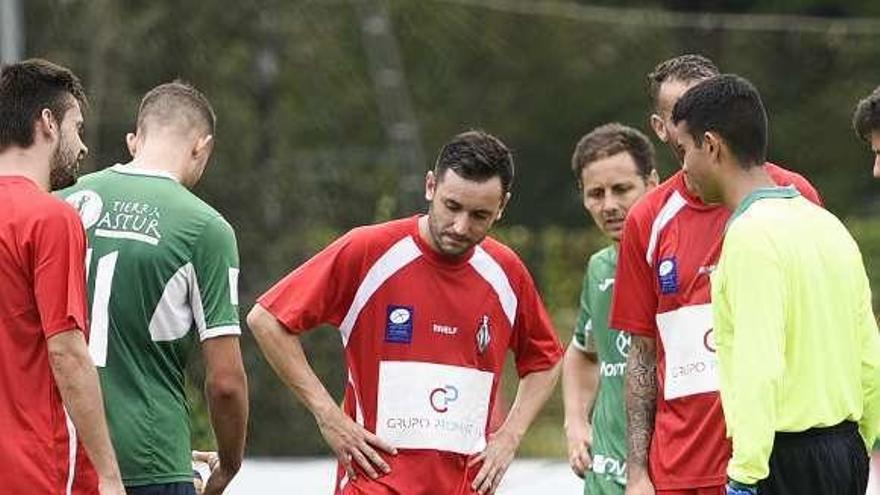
(641, 406)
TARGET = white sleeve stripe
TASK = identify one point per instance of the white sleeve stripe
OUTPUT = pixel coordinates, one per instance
(397, 257)
(219, 332)
(672, 206)
(492, 272)
(71, 453)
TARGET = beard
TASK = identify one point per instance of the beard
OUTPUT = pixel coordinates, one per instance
(64, 168)
(441, 238)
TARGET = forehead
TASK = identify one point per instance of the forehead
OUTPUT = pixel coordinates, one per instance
(617, 168)
(471, 194)
(671, 90)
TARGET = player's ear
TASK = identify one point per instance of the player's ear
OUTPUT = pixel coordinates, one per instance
(46, 124)
(653, 179)
(131, 141)
(203, 146)
(430, 185)
(656, 122)
(712, 144)
(504, 202)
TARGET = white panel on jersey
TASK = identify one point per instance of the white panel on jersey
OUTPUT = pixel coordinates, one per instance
(671, 208)
(100, 303)
(691, 363)
(233, 286)
(121, 234)
(71, 453)
(173, 316)
(398, 256)
(490, 270)
(433, 406)
(359, 410)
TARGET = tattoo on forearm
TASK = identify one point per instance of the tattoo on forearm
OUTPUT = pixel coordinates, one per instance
(641, 398)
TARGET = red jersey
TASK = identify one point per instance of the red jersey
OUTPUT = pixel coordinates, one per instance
(425, 340)
(671, 243)
(42, 255)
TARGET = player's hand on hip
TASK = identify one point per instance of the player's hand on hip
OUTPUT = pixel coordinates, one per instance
(495, 459)
(209, 459)
(580, 439)
(639, 485)
(354, 445)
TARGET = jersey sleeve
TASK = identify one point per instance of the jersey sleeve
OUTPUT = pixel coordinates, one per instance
(214, 295)
(582, 338)
(535, 345)
(749, 312)
(634, 299)
(59, 252)
(319, 291)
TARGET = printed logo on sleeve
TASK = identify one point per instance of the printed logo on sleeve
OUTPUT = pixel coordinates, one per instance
(399, 324)
(667, 275)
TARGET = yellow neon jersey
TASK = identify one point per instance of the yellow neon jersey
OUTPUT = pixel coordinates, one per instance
(797, 342)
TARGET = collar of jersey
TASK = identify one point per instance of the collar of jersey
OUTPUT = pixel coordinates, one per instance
(781, 192)
(132, 170)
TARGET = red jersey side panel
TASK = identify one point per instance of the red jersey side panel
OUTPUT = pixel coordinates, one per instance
(42, 253)
(425, 341)
(670, 245)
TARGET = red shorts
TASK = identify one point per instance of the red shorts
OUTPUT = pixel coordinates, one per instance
(706, 490)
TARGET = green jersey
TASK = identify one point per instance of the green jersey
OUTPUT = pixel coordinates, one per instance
(608, 472)
(162, 269)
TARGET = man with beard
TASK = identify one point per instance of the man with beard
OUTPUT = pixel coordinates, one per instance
(670, 244)
(164, 275)
(427, 307)
(43, 327)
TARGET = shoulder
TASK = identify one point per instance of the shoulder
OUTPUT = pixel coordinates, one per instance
(785, 177)
(654, 201)
(603, 260)
(507, 259)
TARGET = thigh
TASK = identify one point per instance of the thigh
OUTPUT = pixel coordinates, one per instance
(162, 489)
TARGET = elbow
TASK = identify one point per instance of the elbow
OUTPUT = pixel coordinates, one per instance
(227, 387)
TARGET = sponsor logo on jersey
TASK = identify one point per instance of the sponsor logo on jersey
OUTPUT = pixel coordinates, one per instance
(622, 342)
(89, 206)
(444, 329)
(605, 284)
(667, 274)
(441, 397)
(603, 464)
(709, 340)
(399, 324)
(484, 334)
(134, 220)
(607, 369)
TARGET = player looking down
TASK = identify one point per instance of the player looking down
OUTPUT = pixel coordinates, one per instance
(427, 308)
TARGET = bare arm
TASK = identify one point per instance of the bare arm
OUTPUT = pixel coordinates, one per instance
(348, 440)
(77, 381)
(227, 392)
(580, 383)
(641, 407)
(533, 391)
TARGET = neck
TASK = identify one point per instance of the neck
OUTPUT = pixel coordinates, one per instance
(32, 163)
(739, 183)
(163, 155)
(425, 234)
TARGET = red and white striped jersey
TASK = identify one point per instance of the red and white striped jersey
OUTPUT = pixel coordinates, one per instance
(670, 245)
(425, 340)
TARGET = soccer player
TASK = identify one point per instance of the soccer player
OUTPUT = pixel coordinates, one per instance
(46, 366)
(670, 245)
(163, 273)
(798, 346)
(866, 122)
(614, 167)
(427, 308)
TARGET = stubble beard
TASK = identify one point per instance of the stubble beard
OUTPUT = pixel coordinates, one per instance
(64, 168)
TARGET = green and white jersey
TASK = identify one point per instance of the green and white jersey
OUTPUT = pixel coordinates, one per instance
(162, 269)
(608, 473)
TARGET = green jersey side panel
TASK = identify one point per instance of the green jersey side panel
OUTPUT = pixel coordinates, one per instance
(608, 473)
(162, 274)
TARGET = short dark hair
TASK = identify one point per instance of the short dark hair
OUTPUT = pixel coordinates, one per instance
(478, 156)
(866, 118)
(730, 106)
(28, 87)
(609, 140)
(177, 100)
(685, 68)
